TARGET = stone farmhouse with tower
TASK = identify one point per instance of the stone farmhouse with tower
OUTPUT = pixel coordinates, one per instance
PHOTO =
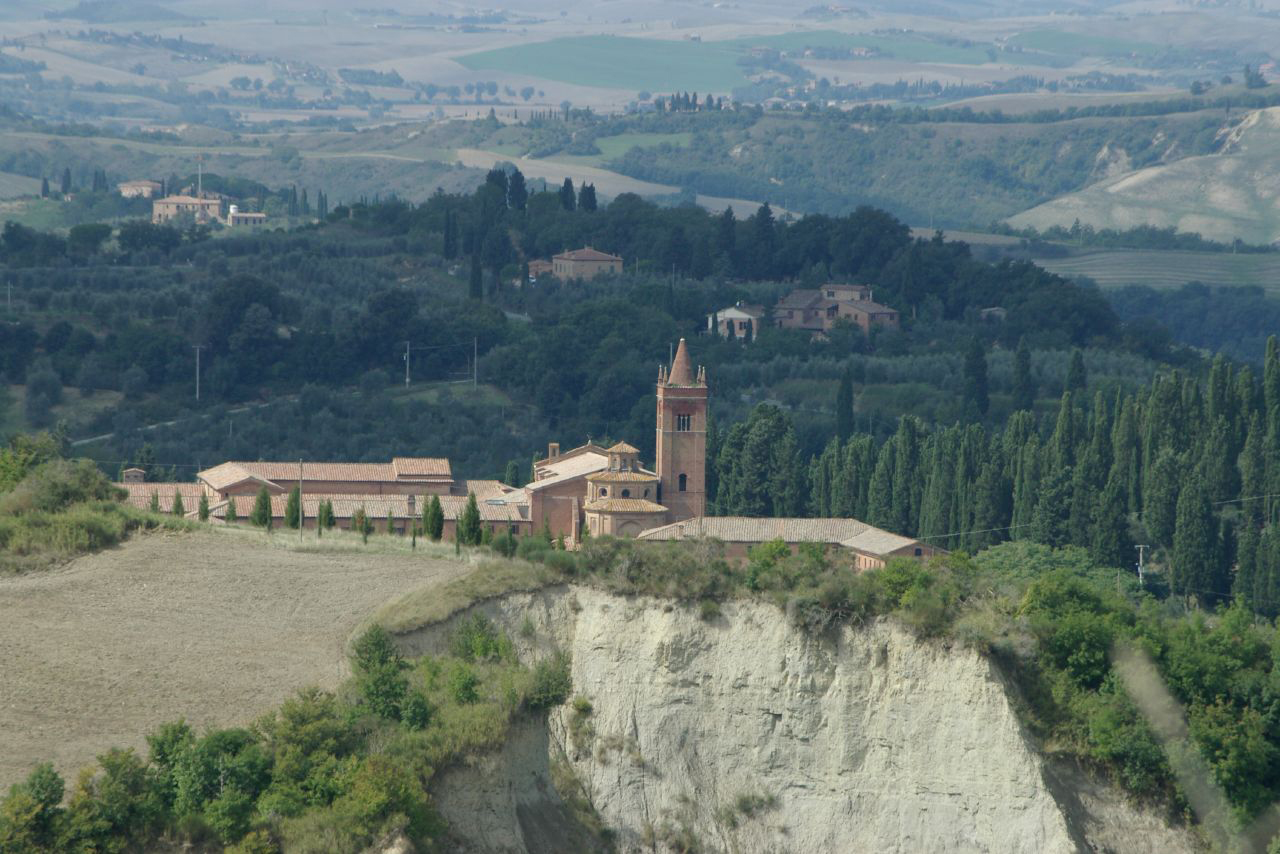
(586, 491)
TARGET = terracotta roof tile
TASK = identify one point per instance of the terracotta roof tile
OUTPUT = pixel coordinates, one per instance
(744, 529)
(586, 254)
(622, 477)
(624, 448)
(623, 505)
(140, 495)
(563, 470)
(286, 473)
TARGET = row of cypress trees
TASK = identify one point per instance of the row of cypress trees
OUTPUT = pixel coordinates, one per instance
(1189, 467)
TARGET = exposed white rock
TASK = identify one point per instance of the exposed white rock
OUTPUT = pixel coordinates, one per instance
(749, 735)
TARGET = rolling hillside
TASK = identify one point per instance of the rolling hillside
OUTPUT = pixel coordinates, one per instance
(1113, 268)
(1223, 196)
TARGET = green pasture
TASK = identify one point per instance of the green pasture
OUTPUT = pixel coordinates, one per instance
(614, 62)
(659, 65)
(910, 47)
(1082, 44)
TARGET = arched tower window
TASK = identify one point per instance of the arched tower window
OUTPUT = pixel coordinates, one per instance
(684, 482)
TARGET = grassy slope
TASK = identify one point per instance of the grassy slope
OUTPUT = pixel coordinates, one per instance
(1221, 196)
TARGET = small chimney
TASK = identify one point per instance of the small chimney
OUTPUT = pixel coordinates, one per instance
(413, 505)
(553, 450)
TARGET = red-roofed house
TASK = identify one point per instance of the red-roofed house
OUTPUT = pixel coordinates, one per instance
(584, 264)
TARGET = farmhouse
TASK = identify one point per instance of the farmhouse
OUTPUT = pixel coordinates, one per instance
(818, 309)
(202, 210)
(238, 218)
(584, 264)
(737, 321)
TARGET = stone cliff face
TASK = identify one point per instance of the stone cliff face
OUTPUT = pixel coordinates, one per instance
(746, 734)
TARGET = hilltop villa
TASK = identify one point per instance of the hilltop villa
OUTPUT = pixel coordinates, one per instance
(589, 489)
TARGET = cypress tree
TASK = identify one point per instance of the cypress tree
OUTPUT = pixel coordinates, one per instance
(1244, 584)
(291, 508)
(44, 188)
(1252, 475)
(1160, 498)
(568, 198)
(880, 492)
(976, 396)
(66, 180)
(1109, 544)
(231, 514)
(1271, 377)
(154, 504)
(1026, 487)
(1024, 385)
(469, 526)
(203, 511)
(991, 508)
(906, 477)
(844, 406)
(1050, 523)
(587, 197)
(517, 192)
(261, 513)
(433, 519)
(1193, 566)
(178, 509)
(1124, 455)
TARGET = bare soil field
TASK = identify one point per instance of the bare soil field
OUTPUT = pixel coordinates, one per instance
(215, 627)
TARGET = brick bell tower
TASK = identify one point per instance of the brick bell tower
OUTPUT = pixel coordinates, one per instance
(682, 438)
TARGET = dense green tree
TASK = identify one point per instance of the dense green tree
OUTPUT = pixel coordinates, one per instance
(517, 192)
(154, 503)
(587, 197)
(177, 509)
(1110, 544)
(232, 515)
(568, 198)
(469, 530)
(203, 511)
(1050, 523)
(433, 519)
(293, 507)
(1194, 562)
(261, 513)
(1160, 498)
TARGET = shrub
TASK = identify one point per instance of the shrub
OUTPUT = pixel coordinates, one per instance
(552, 681)
(477, 639)
(708, 610)
(463, 685)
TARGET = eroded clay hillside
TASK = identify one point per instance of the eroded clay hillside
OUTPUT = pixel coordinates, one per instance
(742, 733)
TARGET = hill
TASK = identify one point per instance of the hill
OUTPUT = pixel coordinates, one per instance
(1224, 195)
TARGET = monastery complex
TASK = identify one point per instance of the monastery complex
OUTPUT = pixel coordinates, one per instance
(586, 491)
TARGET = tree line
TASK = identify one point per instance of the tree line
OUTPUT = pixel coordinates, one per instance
(1190, 468)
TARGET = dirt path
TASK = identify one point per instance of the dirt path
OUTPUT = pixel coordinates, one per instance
(214, 627)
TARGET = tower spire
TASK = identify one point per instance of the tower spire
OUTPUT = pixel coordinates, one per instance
(681, 367)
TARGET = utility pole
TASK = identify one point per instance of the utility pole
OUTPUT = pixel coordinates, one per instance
(475, 362)
(197, 348)
(407, 350)
(1141, 554)
(301, 514)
